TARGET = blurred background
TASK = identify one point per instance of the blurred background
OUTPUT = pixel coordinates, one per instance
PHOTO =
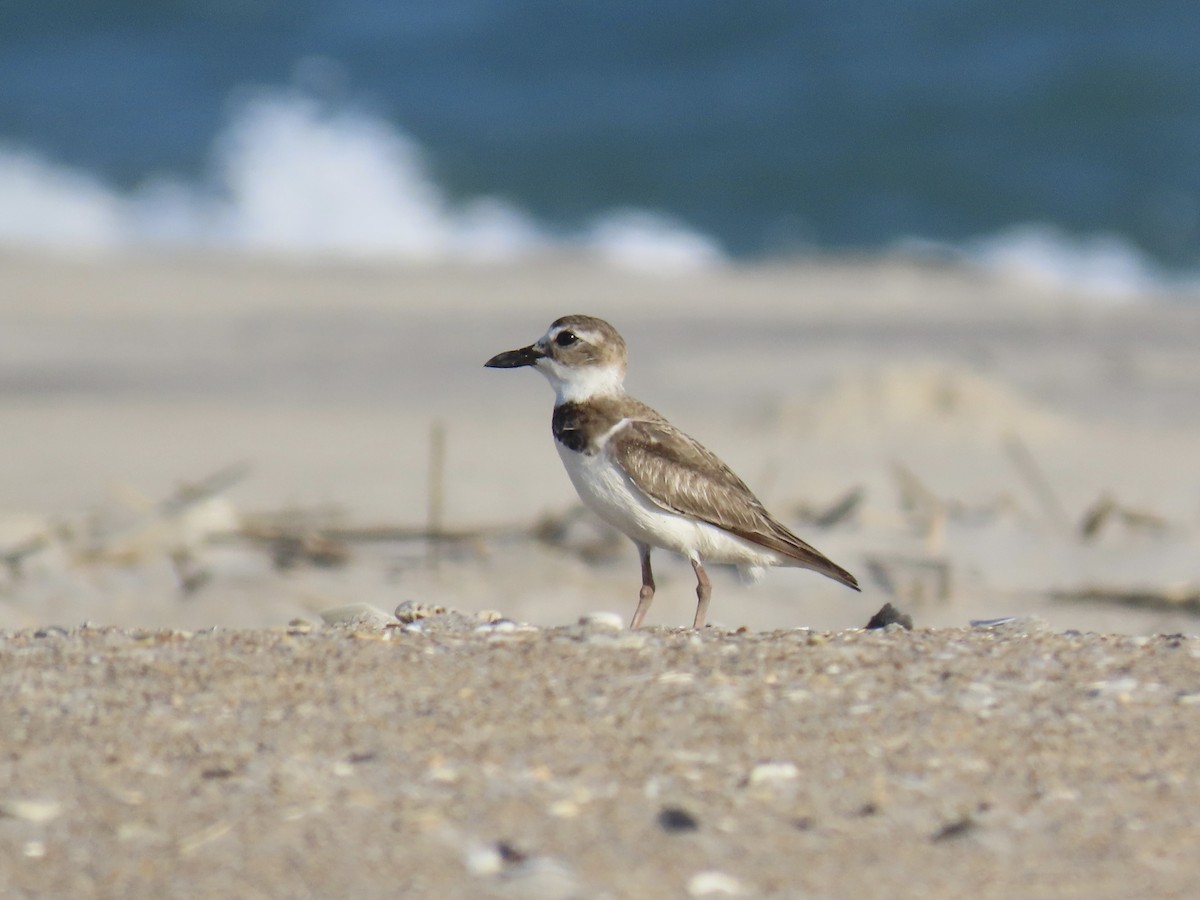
(1058, 138)
(923, 273)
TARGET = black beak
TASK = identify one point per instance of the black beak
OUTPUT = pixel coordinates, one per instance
(514, 359)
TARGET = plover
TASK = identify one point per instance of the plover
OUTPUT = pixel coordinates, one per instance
(644, 476)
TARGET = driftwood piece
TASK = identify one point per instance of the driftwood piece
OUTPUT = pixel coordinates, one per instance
(14, 557)
(579, 532)
(927, 511)
(914, 579)
(160, 527)
(1184, 598)
(840, 510)
(1035, 479)
(1106, 509)
(437, 490)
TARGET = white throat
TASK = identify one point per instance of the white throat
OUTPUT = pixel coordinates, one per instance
(572, 385)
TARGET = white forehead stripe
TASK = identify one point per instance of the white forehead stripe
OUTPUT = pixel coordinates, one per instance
(594, 338)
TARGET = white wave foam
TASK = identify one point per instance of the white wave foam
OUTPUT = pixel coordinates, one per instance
(640, 240)
(290, 177)
(1101, 266)
(44, 204)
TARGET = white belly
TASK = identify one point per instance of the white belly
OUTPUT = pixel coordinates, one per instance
(610, 494)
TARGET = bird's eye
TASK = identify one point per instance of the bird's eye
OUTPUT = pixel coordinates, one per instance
(566, 338)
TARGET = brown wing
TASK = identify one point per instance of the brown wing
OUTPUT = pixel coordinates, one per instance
(682, 476)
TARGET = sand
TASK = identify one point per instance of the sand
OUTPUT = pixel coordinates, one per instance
(586, 762)
(980, 420)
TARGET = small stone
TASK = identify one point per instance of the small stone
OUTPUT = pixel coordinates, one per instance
(483, 861)
(500, 626)
(773, 773)
(955, 829)
(889, 615)
(411, 610)
(676, 819)
(630, 640)
(676, 678)
(360, 614)
(38, 811)
(707, 884)
(1011, 625)
(609, 620)
(443, 774)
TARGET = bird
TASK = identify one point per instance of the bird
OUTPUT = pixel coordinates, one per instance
(647, 478)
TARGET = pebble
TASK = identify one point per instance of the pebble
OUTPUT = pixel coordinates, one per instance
(676, 678)
(707, 884)
(675, 818)
(411, 610)
(773, 772)
(889, 615)
(519, 874)
(1014, 625)
(500, 625)
(38, 811)
(357, 614)
(482, 861)
(608, 620)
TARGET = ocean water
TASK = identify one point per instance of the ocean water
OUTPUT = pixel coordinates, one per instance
(1060, 139)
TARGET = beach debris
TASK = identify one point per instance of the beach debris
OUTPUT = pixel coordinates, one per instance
(1011, 625)
(581, 533)
(773, 773)
(712, 883)
(520, 874)
(434, 520)
(676, 819)
(925, 509)
(889, 615)
(203, 837)
(359, 615)
(1031, 473)
(608, 620)
(911, 578)
(289, 549)
(191, 574)
(954, 829)
(842, 509)
(15, 556)
(1106, 509)
(36, 811)
(190, 516)
(1183, 598)
(412, 610)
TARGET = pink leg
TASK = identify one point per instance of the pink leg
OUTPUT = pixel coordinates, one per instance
(703, 592)
(647, 592)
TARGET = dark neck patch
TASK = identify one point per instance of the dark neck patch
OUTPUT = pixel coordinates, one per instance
(571, 426)
(578, 426)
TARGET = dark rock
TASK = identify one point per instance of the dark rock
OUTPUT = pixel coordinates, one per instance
(673, 818)
(889, 615)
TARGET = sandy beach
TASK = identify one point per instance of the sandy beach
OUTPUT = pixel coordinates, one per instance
(972, 447)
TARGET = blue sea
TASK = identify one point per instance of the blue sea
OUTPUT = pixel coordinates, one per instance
(1062, 135)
